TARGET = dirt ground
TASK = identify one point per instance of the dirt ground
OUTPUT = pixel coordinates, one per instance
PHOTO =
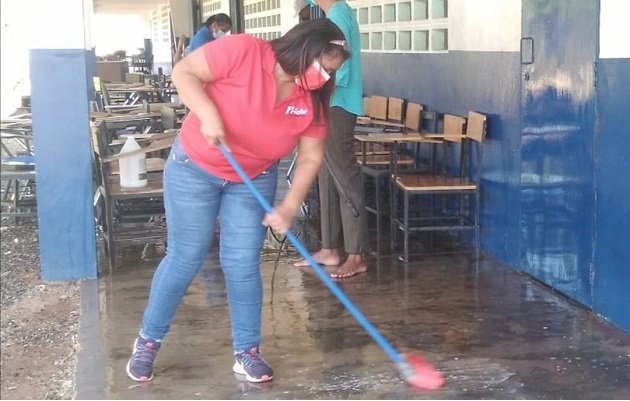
(39, 322)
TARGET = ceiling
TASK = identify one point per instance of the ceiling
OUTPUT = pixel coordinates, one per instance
(125, 6)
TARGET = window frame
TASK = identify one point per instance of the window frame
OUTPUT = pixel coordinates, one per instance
(263, 18)
(433, 26)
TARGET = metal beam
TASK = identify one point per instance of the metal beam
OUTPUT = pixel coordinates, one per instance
(237, 15)
(123, 6)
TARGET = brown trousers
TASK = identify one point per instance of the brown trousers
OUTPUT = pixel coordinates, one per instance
(340, 185)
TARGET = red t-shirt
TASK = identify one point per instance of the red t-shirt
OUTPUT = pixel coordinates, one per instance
(258, 130)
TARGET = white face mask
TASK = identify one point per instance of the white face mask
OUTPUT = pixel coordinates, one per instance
(218, 34)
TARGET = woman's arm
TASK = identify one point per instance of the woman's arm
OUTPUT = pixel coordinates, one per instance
(190, 76)
(309, 160)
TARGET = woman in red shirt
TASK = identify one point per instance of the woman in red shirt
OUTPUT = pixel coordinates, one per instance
(260, 99)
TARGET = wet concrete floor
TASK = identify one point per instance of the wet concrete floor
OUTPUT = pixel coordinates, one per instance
(493, 333)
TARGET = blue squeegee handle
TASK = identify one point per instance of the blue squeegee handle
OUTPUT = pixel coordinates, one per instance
(372, 331)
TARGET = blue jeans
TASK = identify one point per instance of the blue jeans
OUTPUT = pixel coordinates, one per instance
(193, 199)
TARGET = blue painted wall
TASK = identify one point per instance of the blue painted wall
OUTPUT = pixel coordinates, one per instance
(487, 82)
(570, 234)
(557, 129)
(59, 84)
(611, 291)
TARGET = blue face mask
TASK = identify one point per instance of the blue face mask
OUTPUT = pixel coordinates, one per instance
(218, 34)
(311, 3)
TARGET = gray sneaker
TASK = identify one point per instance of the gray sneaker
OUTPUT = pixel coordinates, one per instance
(253, 366)
(140, 365)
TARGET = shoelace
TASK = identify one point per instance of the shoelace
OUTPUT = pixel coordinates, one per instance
(145, 353)
(252, 358)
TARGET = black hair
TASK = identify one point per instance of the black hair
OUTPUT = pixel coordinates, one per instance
(305, 42)
(220, 19)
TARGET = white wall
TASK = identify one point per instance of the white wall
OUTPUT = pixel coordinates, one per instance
(181, 16)
(68, 18)
(14, 60)
(113, 32)
(287, 14)
(614, 29)
(37, 24)
(485, 25)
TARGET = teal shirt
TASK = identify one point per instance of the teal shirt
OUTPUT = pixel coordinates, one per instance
(349, 91)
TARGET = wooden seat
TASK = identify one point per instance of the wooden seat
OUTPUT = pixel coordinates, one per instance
(415, 182)
(459, 182)
(153, 187)
(383, 160)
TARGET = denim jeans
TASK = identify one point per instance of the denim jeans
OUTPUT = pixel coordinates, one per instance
(193, 199)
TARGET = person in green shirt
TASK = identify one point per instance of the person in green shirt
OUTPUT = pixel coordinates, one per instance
(343, 214)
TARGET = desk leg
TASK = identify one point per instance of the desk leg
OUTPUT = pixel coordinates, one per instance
(406, 226)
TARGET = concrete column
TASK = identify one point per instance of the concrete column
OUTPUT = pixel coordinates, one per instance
(61, 71)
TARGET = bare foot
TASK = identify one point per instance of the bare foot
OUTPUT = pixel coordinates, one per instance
(326, 257)
(353, 266)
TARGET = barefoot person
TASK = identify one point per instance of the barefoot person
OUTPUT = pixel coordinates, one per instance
(343, 216)
(260, 99)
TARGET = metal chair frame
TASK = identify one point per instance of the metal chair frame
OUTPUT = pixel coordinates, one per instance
(464, 184)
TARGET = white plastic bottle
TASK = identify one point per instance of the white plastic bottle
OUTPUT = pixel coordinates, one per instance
(133, 169)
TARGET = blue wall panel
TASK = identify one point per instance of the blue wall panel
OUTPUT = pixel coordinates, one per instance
(612, 185)
(558, 122)
(63, 158)
(487, 82)
(570, 232)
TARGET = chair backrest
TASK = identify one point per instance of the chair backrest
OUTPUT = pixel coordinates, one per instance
(454, 128)
(413, 117)
(476, 126)
(378, 107)
(169, 118)
(99, 145)
(134, 78)
(106, 99)
(429, 121)
(366, 105)
(395, 109)
(99, 138)
(105, 133)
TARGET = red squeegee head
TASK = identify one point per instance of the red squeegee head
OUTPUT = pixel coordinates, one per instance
(420, 374)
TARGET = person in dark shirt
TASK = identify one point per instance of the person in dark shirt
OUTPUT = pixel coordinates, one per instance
(302, 10)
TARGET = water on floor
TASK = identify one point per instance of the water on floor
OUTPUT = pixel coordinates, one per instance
(492, 333)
